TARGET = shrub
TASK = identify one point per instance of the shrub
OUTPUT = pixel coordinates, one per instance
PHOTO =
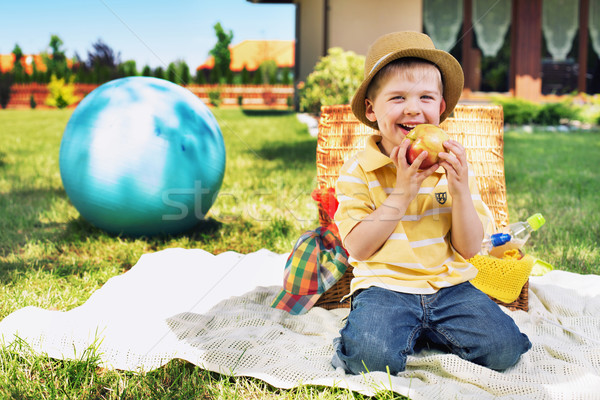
(552, 113)
(588, 108)
(61, 94)
(334, 80)
(214, 96)
(518, 111)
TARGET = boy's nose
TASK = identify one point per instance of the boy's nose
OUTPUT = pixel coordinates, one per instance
(411, 108)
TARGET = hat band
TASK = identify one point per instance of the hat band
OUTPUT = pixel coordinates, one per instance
(379, 62)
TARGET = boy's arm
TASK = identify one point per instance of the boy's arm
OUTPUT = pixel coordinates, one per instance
(372, 232)
(366, 237)
(467, 229)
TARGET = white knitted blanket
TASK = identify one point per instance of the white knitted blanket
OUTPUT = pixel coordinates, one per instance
(214, 312)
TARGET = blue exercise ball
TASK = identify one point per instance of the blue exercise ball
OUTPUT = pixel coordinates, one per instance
(142, 156)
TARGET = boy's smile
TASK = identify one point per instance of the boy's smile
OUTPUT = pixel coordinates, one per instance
(403, 103)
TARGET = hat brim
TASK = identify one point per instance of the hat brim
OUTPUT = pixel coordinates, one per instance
(452, 78)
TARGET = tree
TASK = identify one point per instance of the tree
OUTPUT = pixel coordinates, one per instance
(128, 68)
(146, 71)
(57, 64)
(18, 70)
(200, 77)
(184, 72)
(6, 81)
(172, 74)
(81, 70)
(36, 75)
(159, 72)
(286, 76)
(245, 76)
(103, 61)
(222, 55)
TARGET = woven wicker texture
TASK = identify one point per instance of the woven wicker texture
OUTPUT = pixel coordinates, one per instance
(479, 128)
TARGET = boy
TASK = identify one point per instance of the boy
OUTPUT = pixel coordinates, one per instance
(409, 231)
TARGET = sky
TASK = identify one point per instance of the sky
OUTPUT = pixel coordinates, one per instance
(151, 32)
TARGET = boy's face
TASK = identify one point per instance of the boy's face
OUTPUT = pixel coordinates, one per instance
(404, 101)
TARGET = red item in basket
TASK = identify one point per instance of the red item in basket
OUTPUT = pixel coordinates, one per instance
(327, 199)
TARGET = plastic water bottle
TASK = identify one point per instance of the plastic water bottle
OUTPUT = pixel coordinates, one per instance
(521, 231)
(495, 240)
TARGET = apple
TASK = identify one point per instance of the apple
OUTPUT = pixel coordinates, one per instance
(426, 137)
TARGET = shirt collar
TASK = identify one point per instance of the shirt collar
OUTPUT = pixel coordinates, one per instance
(372, 158)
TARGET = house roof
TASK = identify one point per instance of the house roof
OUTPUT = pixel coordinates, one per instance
(251, 53)
(7, 62)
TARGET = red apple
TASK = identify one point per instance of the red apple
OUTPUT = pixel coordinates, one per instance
(426, 137)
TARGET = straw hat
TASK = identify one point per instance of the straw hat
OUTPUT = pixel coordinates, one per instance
(397, 45)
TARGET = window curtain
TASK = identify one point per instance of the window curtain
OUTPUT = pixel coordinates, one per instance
(594, 25)
(560, 21)
(443, 20)
(491, 19)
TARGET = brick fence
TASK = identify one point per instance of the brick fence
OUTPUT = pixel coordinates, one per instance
(251, 96)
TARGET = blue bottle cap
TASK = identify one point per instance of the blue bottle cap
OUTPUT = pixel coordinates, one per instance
(498, 239)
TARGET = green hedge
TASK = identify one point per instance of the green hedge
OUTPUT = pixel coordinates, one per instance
(519, 111)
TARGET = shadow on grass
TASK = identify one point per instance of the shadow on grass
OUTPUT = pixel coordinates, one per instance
(2, 158)
(22, 224)
(291, 153)
(21, 211)
(266, 112)
(80, 229)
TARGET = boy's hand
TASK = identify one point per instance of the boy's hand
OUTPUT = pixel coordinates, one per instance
(408, 177)
(380, 224)
(457, 171)
(467, 231)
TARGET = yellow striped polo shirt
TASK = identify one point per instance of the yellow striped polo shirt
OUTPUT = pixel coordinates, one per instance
(418, 257)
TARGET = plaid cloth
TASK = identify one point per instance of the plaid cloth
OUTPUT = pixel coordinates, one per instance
(316, 263)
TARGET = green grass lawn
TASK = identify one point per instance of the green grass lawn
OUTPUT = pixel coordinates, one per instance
(556, 174)
(51, 258)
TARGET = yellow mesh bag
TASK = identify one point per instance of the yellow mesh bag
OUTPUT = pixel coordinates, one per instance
(502, 278)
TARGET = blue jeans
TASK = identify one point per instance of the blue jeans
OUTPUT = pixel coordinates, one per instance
(384, 327)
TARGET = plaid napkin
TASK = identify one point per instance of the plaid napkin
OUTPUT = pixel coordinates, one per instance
(316, 263)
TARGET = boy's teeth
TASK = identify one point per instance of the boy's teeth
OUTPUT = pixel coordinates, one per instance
(408, 127)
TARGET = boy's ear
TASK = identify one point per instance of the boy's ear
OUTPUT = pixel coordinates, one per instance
(442, 106)
(369, 113)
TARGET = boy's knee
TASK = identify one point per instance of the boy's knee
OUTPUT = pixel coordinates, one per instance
(503, 354)
(367, 353)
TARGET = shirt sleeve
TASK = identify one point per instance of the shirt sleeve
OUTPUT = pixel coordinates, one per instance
(352, 191)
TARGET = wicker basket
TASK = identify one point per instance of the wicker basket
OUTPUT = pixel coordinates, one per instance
(480, 128)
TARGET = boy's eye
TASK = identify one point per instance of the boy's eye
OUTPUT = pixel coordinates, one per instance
(398, 98)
